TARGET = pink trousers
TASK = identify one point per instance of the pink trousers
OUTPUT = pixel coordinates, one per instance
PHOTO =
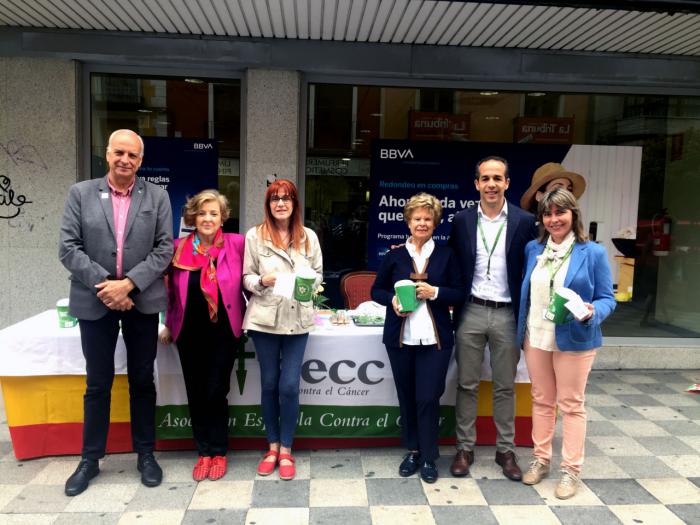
(559, 378)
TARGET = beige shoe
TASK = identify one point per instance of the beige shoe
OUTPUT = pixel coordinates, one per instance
(568, 484)
(535, 472)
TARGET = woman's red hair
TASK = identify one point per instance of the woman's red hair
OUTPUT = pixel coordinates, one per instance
(296, 228)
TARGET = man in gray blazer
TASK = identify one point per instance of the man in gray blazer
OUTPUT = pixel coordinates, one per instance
(116, 241)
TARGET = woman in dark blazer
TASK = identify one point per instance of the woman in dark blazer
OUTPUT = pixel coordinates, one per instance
(419, 344)
(204, 318)
(560, 355)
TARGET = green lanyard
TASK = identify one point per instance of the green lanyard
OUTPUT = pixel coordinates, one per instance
(486, 246)
(553, 271)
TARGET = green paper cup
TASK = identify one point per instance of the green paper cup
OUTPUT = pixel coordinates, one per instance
(406, 295)
(65, 320)
(304, 284)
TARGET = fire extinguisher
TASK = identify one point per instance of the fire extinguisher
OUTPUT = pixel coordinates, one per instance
(661, 233)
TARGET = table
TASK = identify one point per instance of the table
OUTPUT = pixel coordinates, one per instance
(347, 394)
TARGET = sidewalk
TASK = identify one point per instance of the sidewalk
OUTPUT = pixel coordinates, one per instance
(642, 467)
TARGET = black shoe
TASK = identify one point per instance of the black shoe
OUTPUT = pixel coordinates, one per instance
(410, 464)
(79, 480)
(151, 473)
(429, 472)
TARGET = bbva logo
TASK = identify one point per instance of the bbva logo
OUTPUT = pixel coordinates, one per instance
(386, 153)
(202, 145)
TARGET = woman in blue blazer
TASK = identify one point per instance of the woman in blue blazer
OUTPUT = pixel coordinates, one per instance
(419, 344)
(560, 356)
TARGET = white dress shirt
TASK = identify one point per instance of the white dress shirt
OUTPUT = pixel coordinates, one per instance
(418, 328)
(495, 288)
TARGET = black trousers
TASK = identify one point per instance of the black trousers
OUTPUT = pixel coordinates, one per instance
(99, 341)
(207, 364)
(419, 375)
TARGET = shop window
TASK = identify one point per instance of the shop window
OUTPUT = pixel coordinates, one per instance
(657, 273)
(188, 108)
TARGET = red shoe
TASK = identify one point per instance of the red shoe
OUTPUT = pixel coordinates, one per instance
(201, 469)
(218, 468)
(287, 472)
(265, 468)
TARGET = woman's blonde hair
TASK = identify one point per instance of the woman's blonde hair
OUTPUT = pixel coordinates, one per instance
(423, 200)
(194, 204)
(563, 200)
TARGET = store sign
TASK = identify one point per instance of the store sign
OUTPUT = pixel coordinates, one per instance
(425, 125)
(544, 130)
(335, 167)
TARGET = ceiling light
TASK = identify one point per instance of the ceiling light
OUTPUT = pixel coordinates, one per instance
(492, 117)
(488, 93)
(194, 80)
(144, 111)
(536, 94)
(346, 159)
(376, 114)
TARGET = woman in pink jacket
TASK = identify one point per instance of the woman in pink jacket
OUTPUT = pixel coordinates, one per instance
(204, 317)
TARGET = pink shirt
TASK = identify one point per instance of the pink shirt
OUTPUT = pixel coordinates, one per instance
(120, 205)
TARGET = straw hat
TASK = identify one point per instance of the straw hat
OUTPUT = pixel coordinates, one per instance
(548, 172)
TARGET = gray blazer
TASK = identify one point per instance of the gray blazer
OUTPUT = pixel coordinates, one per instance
(88, 248)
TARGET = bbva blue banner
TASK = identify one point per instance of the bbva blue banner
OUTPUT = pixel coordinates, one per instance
(183, 167)
(399, 169)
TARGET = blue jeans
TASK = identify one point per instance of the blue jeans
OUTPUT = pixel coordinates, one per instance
(280, 358)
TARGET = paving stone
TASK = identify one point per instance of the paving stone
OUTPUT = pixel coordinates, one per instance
(402, 491)
(620, 413)
(662, 445)
(637, 429)
(280, 494)
(656, 413)
(620, 388)
(450, 515)
(453, 491)
(645, 514)
(585, 515)
(401, 515)
(165, 496)
(21, 471)
(28, 519)
(518, 514)
(688, 513)
(655, 388)
(107, 497)
(215, 517)
(680, 428)
(619, 446)
(676, 491)
(337, 466)
(638, 400)
(602, 468)
(39, 499)
(88, 518)
(546, 488)
(644, 467)
(277, 516)
(340, 515)
(380, 466)
(152, 517)
(602, 428)
(620, 492)
(222, 495)
(686, 465)
(507, 492)
(337, 493)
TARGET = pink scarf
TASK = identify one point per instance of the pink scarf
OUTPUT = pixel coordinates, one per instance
(191, 256)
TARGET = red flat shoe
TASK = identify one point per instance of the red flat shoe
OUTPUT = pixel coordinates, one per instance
(265, 468)
(218, 468)
(287, 472)
(201, 469)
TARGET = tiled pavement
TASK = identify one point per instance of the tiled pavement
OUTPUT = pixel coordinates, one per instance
(642, 467)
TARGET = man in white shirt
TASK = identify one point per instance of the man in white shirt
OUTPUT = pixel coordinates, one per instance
(489, 241)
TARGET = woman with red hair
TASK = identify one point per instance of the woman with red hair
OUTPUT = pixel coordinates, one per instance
(279, 326)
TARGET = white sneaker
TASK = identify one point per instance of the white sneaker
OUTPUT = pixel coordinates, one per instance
(535, 472)
(568, 484)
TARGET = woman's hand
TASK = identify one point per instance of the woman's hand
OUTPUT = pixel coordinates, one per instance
(165, 336)
(395, 306)
(591, 311)
(424, 291)
(269, 279)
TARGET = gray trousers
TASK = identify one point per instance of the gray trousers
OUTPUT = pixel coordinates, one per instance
(479, 325)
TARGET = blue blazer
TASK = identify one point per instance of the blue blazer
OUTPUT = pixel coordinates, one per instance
(520, 229)
(443, 272)
(589, 276)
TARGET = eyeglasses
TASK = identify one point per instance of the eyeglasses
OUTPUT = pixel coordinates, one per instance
(284, 198)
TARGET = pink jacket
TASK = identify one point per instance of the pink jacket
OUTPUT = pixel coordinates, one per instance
(229, 267)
